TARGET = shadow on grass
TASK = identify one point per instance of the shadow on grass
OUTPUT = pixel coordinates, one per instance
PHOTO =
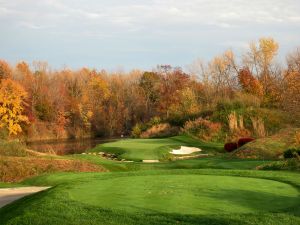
(53, 208)
(254, 200)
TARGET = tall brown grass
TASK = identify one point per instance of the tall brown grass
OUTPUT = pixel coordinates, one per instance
(203, 129)
(12, 148)
(297, 138)
(14, 169)
(160, 130)
(258, 126)
(233, 121)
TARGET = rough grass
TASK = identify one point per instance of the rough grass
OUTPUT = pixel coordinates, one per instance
(12, 148)
(13, 169)
(268, 148)
(140, 149)
(289, 164)
(213, 197)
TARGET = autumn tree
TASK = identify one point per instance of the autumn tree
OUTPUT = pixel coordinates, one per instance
(291, 85)
(149, 82)
(94, 97)
(173, 80)
(12, 96)
(249, 83)
(293, 61)
(260, 61)
(5, 70)
(24, 75)
(222, 71)
(187, 104)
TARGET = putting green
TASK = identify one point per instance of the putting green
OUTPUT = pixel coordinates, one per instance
(187, 194)
(153, 149)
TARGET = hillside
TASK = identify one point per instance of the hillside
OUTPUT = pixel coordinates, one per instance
(270, 147)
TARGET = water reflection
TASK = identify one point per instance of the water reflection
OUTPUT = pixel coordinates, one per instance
(66, 147)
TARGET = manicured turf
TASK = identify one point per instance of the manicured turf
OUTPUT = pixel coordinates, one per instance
(215, 162)
(161, 197)
(139, 149)
(187, 194)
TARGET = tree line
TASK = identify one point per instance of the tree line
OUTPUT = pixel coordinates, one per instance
(37, 102)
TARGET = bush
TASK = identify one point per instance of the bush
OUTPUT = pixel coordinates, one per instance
(230, 147)
(136, 131)
(203, 129)
(154, 121)
(160, 130)
(291, 153)
(140, 128)
(180, 120)
(235, 135)
(243, 141)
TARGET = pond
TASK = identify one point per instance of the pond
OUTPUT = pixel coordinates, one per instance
(66, 147)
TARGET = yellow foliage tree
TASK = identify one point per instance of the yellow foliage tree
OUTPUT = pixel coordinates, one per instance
(259, 59)
(96, 92)
(12, 96)
(5, 70)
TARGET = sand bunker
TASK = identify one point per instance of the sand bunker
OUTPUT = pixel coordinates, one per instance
(150, 161)
(185, 150)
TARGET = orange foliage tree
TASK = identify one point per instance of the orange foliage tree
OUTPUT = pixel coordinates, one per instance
(249, 83)
(5, 70)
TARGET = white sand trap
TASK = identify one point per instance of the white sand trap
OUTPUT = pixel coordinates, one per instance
(8, 195)
(150, 161)
(184, 150)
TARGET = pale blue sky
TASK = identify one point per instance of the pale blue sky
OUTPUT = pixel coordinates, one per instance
(140, 34)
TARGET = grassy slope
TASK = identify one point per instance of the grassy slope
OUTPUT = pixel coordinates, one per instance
(268, 148)
(139, 149)
(252, 201)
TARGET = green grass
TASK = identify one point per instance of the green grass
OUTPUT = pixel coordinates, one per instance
(204, 196)
(9, 185)
(216, 162)
(214, 190)
(186, 194)
(139, 149)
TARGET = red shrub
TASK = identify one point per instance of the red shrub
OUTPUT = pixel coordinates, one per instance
(243, 141)
(230, 147)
